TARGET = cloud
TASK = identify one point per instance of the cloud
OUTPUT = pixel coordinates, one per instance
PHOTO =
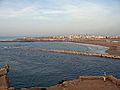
(30, 12)
(17, 13)
(67, 10)
(59, 15)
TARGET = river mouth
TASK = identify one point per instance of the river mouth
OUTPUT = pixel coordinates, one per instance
(35, 68)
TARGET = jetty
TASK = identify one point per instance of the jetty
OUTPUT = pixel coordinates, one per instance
(76, 53)
(84, 53)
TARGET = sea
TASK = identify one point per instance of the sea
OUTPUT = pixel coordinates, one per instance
(31, 67)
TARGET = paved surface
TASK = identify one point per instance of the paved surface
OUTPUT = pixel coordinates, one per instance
(86, 85)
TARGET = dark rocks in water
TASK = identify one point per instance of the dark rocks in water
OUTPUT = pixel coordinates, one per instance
(34, 88)
(60, 82)
(43, 89)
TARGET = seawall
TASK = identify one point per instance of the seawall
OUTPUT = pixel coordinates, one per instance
(82, 53)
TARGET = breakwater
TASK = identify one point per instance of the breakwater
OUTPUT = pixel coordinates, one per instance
(81, 53)
(74, 52)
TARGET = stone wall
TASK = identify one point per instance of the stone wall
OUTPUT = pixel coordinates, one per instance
(4, 80)
(114, 80)
(109, 77)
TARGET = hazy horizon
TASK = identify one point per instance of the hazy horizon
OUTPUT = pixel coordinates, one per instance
(59, 17)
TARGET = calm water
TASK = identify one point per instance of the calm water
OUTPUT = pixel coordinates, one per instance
(9, 37)
(36, 68)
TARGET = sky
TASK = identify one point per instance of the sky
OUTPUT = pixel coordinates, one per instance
(59, 17)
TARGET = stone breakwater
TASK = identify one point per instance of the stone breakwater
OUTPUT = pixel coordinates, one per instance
(79, 53)
(106, 55)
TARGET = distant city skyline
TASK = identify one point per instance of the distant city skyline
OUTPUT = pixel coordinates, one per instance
(59, 17)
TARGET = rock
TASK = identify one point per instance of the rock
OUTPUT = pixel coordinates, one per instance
(4, 82)
(25, 89)
(11, 88)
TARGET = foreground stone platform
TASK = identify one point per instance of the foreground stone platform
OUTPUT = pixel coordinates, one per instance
(82, 83)
(95, 84)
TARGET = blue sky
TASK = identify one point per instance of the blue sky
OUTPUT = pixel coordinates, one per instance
(59, 17)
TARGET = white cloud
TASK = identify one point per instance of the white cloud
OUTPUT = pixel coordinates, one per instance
(89, 11)
(74, 12)
(31, 12)
(17, 13)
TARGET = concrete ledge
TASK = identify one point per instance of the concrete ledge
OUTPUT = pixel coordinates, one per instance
(114, 80)
(91, 77)
(110, 78)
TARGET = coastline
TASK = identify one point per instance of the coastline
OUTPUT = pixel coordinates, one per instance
(110, 42)
(112, 49)
(110, 52)
(113, 52)
(100, 49)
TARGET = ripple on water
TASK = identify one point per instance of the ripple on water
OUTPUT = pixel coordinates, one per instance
(36, 68)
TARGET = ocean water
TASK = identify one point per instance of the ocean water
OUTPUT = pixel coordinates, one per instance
(35, 68)
(9, 37)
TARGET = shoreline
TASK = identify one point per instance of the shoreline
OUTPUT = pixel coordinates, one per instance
(112, 49)
(99, 47)
(109, 53)
(113, 43)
